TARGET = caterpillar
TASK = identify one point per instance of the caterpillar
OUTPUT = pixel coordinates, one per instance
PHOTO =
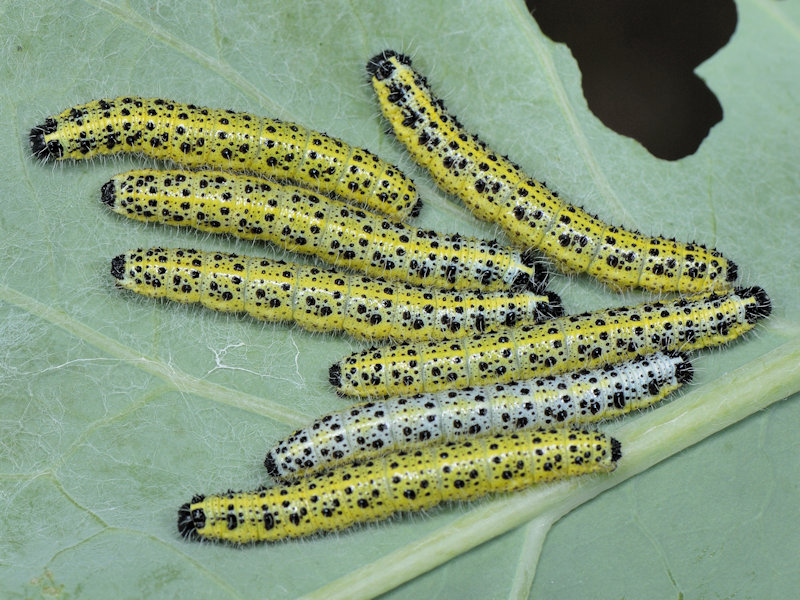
(565, 344)
(373, 428)
(323, 299)
(339, 234)
(223, 139)
(497, 190)
(400, 481)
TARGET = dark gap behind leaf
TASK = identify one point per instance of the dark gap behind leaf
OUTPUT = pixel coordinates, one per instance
(637, 59)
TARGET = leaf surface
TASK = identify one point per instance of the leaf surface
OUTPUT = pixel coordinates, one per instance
(117, 409)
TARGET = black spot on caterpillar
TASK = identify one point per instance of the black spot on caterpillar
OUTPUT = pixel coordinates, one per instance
(561, 345)
(371, 429)
(399, 481)
(323, 299)
(206, 137)
(497, 190)
(333, 231)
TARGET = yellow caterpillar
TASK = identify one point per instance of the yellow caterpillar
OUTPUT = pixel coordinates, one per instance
(323, 299)
(374, 428)
(399, 481)
(497, 190)
(561, 345)
(206, 137)
(335, 232)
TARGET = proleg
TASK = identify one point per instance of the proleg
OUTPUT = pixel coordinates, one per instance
(401, 481)
(497, 190)
(370, 429)
(297, 220)
(565, 344)
(323, 299)
(223, 139)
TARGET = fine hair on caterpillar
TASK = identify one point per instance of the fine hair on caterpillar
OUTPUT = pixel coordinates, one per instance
(324, 299)
(196, 136)
(375, 489)
(342, 235)
(560, 345)
(497, 190)
(371, 429)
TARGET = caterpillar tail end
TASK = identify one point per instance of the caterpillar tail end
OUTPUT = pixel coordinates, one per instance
(616, 450)
(118, 267)
(42, 149)
(188, 520)
(379, 66)
(335, 375)
(108, 193)
(762, 307)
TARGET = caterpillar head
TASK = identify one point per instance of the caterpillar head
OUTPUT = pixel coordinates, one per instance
(42, 149)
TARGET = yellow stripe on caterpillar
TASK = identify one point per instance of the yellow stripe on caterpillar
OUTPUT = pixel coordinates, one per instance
(337, 233)
(399, 481)
(561, 345)
(206, 137)
(498, 191)
(323, 299)
(372, 429)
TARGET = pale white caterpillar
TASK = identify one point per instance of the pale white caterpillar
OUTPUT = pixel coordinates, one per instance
(371, 429)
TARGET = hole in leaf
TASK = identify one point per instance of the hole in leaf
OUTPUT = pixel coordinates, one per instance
(637, 59)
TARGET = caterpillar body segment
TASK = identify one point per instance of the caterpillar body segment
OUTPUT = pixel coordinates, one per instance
(498, 191)
(224, 139)
(400, 481)
(565, 344)
(370, 429)
(333, 231)
(323, 299)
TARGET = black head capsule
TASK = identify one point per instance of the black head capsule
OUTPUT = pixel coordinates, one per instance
(189, 520)
(335, 375)
(541, 275)
(379, 66)
(762, 307)
(271, 465)
(45, 150)
(733, 271)
(554, 307)
(417, 208)
(108, 194)
(118, 266)
(522, 281)
(684, 371)
(616, 450)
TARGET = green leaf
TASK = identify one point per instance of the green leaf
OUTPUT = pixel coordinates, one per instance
(117, 409)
